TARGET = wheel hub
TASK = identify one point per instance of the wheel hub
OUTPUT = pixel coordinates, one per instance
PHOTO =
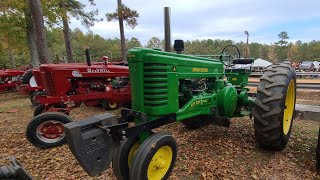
(50, 131)
(160, 163)
(113, 104)
(289, 108)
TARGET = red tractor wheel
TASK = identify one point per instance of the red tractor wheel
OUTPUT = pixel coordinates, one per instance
(108, 105)
(46, 130)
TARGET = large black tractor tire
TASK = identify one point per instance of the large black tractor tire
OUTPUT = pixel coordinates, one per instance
(274, 106)
(155, 158)
(34, 94)
(196, 122)
(108, 105)
(26, 77)
(318, 152)
(46, 130)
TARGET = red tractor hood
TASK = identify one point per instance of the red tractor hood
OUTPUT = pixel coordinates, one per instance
(11, 72)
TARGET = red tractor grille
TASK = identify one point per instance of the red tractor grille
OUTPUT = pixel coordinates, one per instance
(49, 84)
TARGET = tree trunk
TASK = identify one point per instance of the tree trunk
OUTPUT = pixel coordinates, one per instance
(66, 34)
(122, 37)
(67, 41)
(37, 16)
(31, 38)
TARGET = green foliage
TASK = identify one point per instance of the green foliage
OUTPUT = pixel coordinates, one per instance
(283, 36)
(155, 42)
(12, 36)
(134, 42)
(126, 14)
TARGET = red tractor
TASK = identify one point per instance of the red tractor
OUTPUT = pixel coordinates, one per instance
(67, 86)
(32, 85)
(10, 79)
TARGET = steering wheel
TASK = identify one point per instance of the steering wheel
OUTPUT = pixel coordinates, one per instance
(233, 52)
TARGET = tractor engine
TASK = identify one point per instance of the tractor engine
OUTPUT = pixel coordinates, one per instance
(189, 88)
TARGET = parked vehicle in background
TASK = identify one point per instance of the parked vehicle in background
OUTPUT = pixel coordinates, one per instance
(307, 66)
(316, 65)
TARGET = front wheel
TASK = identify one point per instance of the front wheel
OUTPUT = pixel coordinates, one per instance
(274, 106)
(46, 130)
(155, 158)
(122, 157)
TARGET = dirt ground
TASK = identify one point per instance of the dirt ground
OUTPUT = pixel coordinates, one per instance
(208, 153)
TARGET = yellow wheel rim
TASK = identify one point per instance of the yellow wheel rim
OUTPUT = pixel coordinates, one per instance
(289, 107)
(113, 105)
(132, 152)
(160, 163)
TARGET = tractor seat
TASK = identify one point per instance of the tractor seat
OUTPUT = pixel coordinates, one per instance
(243, 61)
(236, 70)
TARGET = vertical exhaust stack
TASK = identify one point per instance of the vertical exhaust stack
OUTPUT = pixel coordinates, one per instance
(167, 31)
(88, 57)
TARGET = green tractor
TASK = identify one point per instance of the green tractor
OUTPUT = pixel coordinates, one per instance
(196, 91)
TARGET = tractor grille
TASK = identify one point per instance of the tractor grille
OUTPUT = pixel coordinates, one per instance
(155, 85)
(49, 83)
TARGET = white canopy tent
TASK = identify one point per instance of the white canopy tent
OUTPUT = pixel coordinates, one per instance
(261, 63)
(258, 63)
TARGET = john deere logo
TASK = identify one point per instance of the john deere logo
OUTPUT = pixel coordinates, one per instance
(174, 68)
(234, 79)
(200, 69)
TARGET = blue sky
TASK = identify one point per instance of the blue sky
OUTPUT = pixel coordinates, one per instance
(215, 19)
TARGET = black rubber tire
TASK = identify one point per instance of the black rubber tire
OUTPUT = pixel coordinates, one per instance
(196, 122)
(318, 152)
(31, 132)
(26, 77)
(270, 105)
(106, 105)
(34, 94)
(145, 153)
(120, 158)
(39, 109)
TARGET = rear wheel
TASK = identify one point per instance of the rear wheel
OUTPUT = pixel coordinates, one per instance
(46, 130)
(274, 106)
(155, 158)
(108, 105)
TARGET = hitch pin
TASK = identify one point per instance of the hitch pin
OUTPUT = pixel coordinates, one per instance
(106, 129)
